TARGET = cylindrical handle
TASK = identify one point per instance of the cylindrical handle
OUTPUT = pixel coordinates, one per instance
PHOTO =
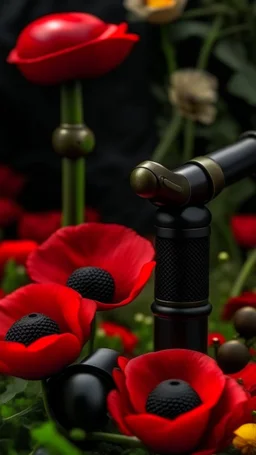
(238, 160)
(182, 257)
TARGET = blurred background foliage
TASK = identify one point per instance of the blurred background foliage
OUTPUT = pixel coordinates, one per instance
(232, 60)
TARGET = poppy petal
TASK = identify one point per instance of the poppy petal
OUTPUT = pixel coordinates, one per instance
(235, 303)
(244, 230)
(129, 339)
(119, 379)
(145, 372)
(231, 412)
(247, 374)
(140, 283)
(181, 434)
(11, 183)
(122, 362)
(102, 55)
(16, 250)
(40, 226)
(43, 358)
(116, 411)
(55, 301)
(114, 248)
(9, 212)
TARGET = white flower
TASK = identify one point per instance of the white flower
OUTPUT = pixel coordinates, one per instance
(194, 93)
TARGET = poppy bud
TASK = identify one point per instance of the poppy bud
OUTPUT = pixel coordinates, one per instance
(77, 397)
(232, 356)
(172, 398)
(93, 283)
(245, 322)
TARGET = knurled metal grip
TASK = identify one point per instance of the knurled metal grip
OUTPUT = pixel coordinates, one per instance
(182, 257)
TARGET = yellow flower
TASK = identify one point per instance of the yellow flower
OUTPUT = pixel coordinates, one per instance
(245, 439)
(156, 11)
(160, 3)
(194, 93)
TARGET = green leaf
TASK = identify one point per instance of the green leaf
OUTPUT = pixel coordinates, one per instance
(14, 388)
(48, 437)
(243, 84)
(231, 53)
(183, 30)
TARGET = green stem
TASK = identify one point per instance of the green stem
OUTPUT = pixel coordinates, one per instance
(244, 274)
(171, 133)
(92, 337)
(209, 11)
(209, 43)
(168, 49)
(73, 171)
(118, 439)
(234, 30)
(190, 127)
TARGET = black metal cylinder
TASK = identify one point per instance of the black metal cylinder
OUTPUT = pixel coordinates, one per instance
(181, 306)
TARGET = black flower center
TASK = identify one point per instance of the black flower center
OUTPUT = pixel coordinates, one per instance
(172, 398)
(93, 283)
(32, 327)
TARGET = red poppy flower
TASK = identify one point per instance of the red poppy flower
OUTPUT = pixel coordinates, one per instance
(39, 226)
(107, 263)
(17, 250)
(177, 399)
(128, 339)
(43, 328)
(216, 337)
(247, 380)
(9, 212)
(235, 303)
(1, 293)
(244, 230)
(64, 46)
(11, 183)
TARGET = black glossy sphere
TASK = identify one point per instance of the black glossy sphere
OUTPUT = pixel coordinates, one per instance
(172, 398)
(93, 283)
(79, 401)
(31, 328)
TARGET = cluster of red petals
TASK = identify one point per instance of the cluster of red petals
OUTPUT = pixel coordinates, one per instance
(215, 337)
(64, 46)
(16, 250)
(40, 226)
(247, 378)
(235, 303)
(128, 339)
(11, 183)
(204, 430)
(49, 354)
(244, 230)
(10, 212)
(120, 251)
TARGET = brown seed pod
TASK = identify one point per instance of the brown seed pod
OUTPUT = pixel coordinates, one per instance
(232, 356)
(245, 322)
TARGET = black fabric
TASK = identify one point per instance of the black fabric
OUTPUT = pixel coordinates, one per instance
(118, 107)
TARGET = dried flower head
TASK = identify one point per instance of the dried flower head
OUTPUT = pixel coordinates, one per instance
(245, 439)
(156, 11)
(195, 94)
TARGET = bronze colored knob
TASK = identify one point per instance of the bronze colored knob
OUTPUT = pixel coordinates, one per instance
(245, 322)
(232, 356)
(73, 141)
